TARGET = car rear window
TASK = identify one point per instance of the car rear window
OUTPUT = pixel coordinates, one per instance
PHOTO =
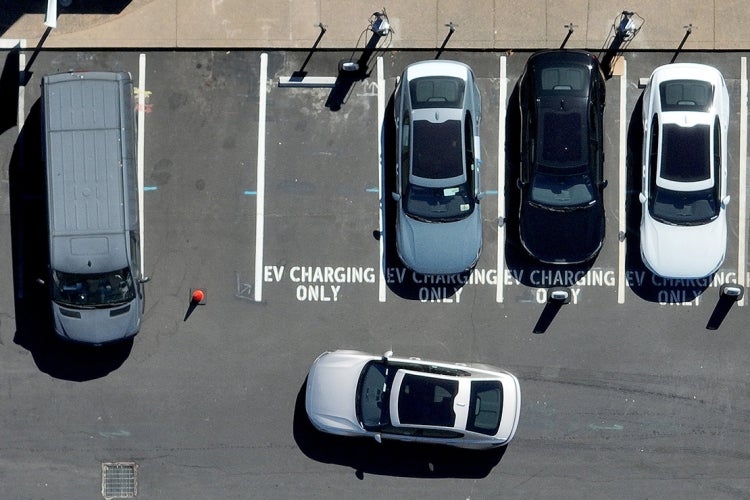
(485, 407)
(564, 78)
(686, 95)
(437, 92)
(437, 151)
(427, 401)
(686, 153)
(571, 79)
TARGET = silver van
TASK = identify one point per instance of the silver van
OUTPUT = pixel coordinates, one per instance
(89, 149)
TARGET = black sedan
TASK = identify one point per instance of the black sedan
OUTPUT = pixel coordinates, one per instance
(561, 96)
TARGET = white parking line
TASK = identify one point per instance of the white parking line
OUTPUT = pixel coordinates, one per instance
(501, 181)
(261, 179)
(140, 152)
(622, 181)
(21, 117)
(381, 166)
(742, 231)
(20, 120)
(12, 43)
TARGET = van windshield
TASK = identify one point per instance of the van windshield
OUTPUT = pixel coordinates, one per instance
(93, 290)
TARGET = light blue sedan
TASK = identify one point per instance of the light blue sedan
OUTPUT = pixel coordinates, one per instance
(437, 112)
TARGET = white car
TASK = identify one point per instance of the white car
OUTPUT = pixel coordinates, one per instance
(684, 194)
(471, 405)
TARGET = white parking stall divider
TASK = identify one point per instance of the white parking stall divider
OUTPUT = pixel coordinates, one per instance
(261, 179)
(501, 180)
(381, 168)
(742, 231)
(622, 181)
(140, 153)
(20, 120)
(21, 117)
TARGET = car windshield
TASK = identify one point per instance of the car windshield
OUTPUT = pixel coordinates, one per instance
(93, 290)
(426, 400)
(373, 393)
(562, 191)
(686, 153)
(444, 204)
(485, 407)
(437, 92)
(686, 95)
(684, 208)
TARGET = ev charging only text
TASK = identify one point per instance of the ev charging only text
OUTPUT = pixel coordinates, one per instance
(330, 283)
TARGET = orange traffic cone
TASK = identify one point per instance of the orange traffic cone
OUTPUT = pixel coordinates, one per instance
(198, 296)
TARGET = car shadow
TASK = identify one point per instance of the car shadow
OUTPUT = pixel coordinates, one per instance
(401, 280)
(30, 251)
(9, 80)
(389, 458)
(642, 281)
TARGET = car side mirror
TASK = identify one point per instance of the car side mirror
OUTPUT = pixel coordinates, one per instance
(387, 354)
(396, 196)
(604, 183)
(519, 183)
(725, 201)
(480, 195)
(145, 279)
(378, 438)
(642, 197)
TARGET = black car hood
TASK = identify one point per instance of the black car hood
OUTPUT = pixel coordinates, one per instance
(562, 237)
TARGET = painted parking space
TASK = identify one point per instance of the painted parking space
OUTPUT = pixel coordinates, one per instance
(616, 269)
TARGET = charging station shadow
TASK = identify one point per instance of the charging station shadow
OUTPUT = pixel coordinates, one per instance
(342, 88)
(389, 458)
(720, 312)
(30, 249)
(548, 315)
(401, 280)
(641, 280)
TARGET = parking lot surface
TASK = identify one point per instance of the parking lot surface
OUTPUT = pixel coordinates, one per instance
(276, 202)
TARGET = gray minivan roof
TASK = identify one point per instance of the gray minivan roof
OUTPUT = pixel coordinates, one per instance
(84, 155)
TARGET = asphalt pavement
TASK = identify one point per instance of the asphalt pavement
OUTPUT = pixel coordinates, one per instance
(636, 389)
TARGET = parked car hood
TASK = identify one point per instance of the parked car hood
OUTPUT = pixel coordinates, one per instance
(331, 390)
(440, 247)
(97, 326)
(683, 251)
(562, 237)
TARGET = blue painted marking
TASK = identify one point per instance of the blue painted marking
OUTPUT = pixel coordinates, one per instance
(491, 191)
(372, 190)
(150, 188)
(250, 193)
(615, 427)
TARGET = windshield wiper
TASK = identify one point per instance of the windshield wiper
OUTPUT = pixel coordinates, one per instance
(419, 217)
(72, 305)
(114, 303)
